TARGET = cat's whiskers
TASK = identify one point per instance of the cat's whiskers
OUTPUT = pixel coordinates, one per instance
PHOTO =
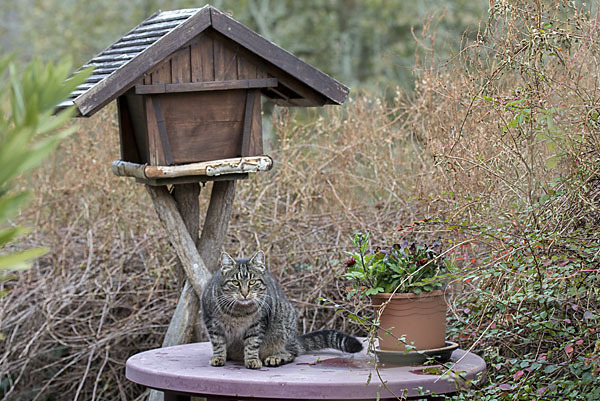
(225, 302)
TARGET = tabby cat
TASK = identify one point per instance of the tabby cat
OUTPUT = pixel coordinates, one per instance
(248, 318)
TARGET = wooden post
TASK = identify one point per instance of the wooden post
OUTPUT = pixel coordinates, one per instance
(193, 265)
(179, 214)
(186, 197)
(216, 223)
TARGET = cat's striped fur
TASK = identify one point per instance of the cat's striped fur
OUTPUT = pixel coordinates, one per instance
(249, 318)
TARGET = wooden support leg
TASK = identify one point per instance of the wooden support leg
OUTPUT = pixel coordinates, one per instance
(194, 267)
(216, 223)
(186, 197)
(210, 243)
(214, 232)
(185, 320)
(193, 264)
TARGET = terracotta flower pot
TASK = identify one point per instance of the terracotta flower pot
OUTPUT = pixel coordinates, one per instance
(421, 319)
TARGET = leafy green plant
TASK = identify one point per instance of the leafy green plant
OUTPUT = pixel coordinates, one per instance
(28, 133)
(404, 268)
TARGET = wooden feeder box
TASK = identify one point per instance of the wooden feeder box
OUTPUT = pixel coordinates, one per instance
(189, 87)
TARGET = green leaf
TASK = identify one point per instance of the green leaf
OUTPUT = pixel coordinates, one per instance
(550, 368)
(10, 204)
(20, 260)
(9, 234)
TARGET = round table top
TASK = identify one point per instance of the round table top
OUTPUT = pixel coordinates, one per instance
(327, 374)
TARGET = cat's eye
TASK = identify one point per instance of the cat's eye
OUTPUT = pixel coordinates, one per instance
(235, 282)
(252, 282)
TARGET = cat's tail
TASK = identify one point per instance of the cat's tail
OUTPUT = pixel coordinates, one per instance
(317, 340)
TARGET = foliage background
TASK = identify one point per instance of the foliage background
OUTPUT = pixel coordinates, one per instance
(489, 139)
(367, 42)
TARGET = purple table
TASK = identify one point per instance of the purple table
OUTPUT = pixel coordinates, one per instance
(183, 371)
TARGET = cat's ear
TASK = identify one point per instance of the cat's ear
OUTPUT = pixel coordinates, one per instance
(258, 261)
(227, 262)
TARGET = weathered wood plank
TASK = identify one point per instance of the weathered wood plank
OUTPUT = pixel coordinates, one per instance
(256, 135)
(225, 60)
(180, 66)
(246, 69)
(203, 59)
(206, 86)
(219, 60)
(162, 130)
(247, 127)
(204, 125)
(162, 73)
(117, 84)
(260, 72)
(155, 150)
(230, 65)
(317, 80)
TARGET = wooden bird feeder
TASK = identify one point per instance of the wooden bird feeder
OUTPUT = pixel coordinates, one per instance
(188, 85)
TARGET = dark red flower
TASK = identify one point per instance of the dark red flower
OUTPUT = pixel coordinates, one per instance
(350, 262)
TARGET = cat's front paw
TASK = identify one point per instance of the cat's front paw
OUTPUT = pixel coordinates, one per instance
(273, 360)
(253, 363)
(217, 361)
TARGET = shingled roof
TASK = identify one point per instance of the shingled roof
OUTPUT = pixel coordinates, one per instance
(123, 63)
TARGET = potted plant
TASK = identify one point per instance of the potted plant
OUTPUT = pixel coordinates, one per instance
(405, 283)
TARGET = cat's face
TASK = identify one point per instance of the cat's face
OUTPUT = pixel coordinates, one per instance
(243, 280)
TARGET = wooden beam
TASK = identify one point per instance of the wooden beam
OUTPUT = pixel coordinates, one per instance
(216, 223)
(162, 130)
(236, 165)
(185, 248)
(206, 86)
(186, 198)
(247, 127)
(190, 179)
